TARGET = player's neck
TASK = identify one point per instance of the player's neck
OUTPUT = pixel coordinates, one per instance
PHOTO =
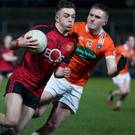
(95, 32)
(61, 30)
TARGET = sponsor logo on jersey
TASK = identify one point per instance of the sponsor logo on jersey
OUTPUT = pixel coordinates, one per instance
(85, 53)
(54, 55)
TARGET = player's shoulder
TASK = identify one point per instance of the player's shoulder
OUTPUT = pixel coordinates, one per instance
(108, 39)
(120, 46)
(79, 25)
(44, 27)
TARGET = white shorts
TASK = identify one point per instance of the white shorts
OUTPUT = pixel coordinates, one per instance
(66, 92)
(121, 78)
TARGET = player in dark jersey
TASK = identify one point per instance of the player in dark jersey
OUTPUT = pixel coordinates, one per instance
(7, 58)
(26, 84)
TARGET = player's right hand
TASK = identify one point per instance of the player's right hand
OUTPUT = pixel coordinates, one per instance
(27, 42)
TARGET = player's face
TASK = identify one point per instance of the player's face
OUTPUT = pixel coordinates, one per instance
(65, 18)
(131, 42)
(96, 19)
(7, 41)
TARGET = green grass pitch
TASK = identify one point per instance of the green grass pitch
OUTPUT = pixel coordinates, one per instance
(94, 116)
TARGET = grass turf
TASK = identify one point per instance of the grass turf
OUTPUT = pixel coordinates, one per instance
(94, 116)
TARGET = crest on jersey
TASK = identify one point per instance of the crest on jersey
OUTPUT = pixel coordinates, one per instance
(89, 43)
(69, 47)
(99, 46)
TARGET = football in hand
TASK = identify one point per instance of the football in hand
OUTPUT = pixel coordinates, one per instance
(40, 37)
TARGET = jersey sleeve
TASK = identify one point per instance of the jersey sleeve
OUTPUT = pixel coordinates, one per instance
(110, 48)
(67, 59)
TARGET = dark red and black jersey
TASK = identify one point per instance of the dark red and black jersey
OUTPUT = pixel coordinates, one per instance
(36, 69)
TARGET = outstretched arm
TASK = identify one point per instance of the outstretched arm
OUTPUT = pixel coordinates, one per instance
(113, 68)
(9, 57)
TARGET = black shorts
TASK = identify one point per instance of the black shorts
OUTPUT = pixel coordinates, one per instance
(29, 99)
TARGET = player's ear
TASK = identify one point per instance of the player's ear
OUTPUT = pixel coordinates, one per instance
(56, 18)
(105, 23)
(106, 20)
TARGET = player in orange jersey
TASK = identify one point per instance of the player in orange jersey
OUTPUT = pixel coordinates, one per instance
(123, 79)
(93, 44)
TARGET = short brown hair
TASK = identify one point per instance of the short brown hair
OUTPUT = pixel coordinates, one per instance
(64, 4)
(101, 7)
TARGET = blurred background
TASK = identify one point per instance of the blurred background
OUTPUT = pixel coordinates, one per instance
(18, 16)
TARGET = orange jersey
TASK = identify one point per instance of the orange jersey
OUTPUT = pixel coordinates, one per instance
(123, 50)
(90, 49)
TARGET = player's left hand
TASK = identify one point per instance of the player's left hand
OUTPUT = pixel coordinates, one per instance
(122, 63)
(67, 72)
